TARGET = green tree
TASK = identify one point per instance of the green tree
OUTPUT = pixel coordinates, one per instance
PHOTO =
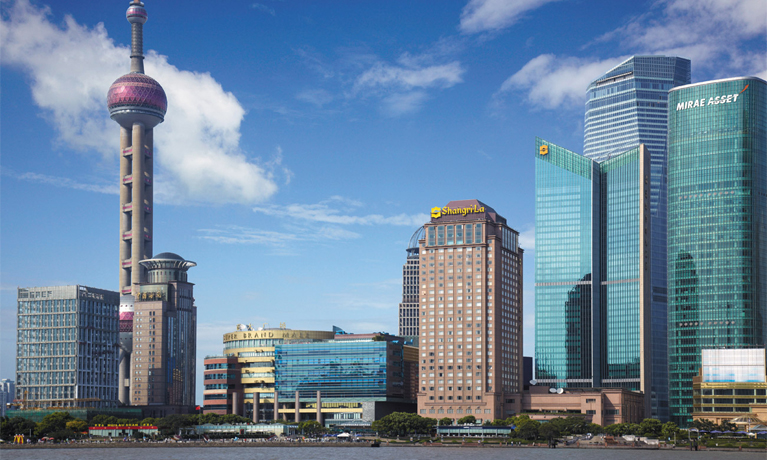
(650, 427)
(445, 421)
(669, 430)
(726, 426)
(467, 420)
(311, 427)
(52, 423)
(527, 429)
(549, 431)
(77, 426)
(403, 423)
(703, 424)
(105, 420)
(10, 427)
(594, 428)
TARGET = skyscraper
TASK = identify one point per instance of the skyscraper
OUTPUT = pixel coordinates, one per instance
(625, 107)
(137, 103)
(408, 309)
(164, 338)
(471, 313)
(717, 226)
(65, 344)
(592, 274)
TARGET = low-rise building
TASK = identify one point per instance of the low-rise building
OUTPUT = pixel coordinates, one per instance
(603, 406)
(731, 383)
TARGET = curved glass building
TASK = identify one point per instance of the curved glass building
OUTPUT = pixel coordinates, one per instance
(717, 226)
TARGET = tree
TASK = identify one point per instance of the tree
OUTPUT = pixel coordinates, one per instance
(467, 420)
(310, 427)
(669, 430)
(53, 423)
(527, 429)
(703, 424)
(77, 426)
(10, 427)
(445, 421)
(403, 423)
(548, 431)
(594, 428)
(650, 427)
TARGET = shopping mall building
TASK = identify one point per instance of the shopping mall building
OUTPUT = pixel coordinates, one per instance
(340, 380)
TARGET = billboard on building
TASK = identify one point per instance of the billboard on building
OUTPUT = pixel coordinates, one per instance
(734, 365)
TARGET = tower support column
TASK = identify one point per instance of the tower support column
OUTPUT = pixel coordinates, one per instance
(137, 247)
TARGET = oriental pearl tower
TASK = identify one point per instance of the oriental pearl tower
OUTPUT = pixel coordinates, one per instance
(137, 103)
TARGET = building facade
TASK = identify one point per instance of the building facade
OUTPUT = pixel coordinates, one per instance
(163, 368)
(241, 381)
(717, 226)
(592, 270)
(353, 379)
(730, 384)
(7, 394)
(137, 103)
(470, 341)
(408, 309)
(66, 355)
(626, 107)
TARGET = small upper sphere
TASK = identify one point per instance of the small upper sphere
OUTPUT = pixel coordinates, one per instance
(137, 97)
(136, 13)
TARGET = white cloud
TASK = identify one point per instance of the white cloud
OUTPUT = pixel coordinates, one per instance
(327, 211)
(527, 239)
(402, 86)
(724, 38)
(70, 69)
(276, 239)
(708, 32)
(552, 81)
(381, 74)
(489, 15)
(317, 97)
(65, 182)
(264, 8)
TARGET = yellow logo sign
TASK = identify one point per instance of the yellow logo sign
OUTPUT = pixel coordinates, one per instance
(544, 149)
(437, 212)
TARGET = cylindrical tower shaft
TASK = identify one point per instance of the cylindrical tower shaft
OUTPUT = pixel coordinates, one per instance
(137, 48)
(125, 215)
(138, 252)
(148, 208)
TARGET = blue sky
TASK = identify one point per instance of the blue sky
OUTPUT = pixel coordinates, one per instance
(306, 141)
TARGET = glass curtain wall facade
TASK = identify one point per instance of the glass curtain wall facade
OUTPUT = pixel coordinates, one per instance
(408, 309)
(717, 240)
(625, 107)
(592, 269)
(66, 356)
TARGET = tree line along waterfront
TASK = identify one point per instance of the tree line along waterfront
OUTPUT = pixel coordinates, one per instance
(402, 426)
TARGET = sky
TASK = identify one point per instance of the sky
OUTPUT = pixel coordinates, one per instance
(305, 142)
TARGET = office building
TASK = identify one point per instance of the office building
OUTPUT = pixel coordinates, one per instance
(66, 356)
(408, 309)
(346, 383)
(592, 271)
(338, 379)
(7, 394)
(731, 383)
(163, 367)
(717, 226)
(471, 313)
(625, 107)
(137, 103)
(241, 381)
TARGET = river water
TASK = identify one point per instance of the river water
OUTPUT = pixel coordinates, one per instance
(367, 453)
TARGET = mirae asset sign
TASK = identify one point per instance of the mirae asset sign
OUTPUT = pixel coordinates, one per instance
(716, 100)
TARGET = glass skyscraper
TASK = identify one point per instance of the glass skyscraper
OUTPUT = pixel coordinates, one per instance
(717, 226)
(592, 270)
(625, 107)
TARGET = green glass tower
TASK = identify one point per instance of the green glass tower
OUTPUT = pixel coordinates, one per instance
(592, 269)
(717, 226)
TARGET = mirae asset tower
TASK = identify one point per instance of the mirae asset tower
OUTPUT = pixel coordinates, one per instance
(470, 340)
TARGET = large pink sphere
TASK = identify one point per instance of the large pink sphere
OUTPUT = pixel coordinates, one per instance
(137, 97)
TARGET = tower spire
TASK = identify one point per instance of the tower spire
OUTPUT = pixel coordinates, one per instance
(137, 16)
